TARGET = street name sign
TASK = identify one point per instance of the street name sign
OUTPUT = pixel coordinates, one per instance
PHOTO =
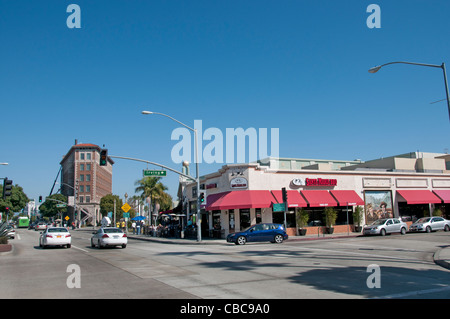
(152, 172)
(278, 207)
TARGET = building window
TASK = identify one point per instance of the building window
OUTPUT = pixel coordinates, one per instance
(88, 199)
(88, 156)
(81, 167)
(81, 178)
(81, 156)
(88, 177)
(88, 188)
(88, 167)
(81, 199)
(81, 188)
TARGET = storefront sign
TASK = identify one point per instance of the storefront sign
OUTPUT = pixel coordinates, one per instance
(238, 182)
(314, 182)
(320, 182)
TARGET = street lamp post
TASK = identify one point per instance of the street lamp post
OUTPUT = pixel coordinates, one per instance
(442, 66)
(197, 179)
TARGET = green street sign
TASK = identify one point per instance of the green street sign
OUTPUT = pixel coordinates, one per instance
(278, 207)
(61, 205)
(150, 172)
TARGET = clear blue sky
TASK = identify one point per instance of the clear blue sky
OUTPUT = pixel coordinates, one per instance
(300, 66)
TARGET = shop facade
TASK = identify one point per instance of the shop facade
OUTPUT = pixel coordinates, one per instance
(407, 186)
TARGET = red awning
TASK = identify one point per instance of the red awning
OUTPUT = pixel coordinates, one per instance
(443, 194)
(419, 196)
(294, 198)
(319, 198)
(347, 197)
(240, 199)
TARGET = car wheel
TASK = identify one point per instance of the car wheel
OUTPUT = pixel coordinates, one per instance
(124, 246)
(69, 245)
(92, 243)
(446, 228)
(241, 240)
(428, 229)
(278, 239)
(403, 231)
(383, 232)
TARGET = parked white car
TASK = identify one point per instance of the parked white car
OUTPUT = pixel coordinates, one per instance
(55, 236)
(386, 226)
(428, 224)
(109, 236)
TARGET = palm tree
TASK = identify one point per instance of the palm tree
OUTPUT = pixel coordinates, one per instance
(151, 188)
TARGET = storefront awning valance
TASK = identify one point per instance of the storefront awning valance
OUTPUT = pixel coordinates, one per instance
(240, 199)
(294, 198)
(416, 196)
(319, 198)
(347, 197)
(443, 194)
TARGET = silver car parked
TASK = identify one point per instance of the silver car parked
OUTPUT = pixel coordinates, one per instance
(386, 226)
(428, 224)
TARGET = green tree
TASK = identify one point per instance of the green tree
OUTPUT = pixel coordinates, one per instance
(49, 209)
(16, 202)
(107, 205)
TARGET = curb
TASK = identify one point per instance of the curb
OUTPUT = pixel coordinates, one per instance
(440, 262)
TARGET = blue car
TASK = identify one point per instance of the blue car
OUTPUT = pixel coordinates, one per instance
(274, 233)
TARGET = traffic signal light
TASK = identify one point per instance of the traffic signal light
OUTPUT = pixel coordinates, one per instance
(202, 197)
(284, 193)
(103, 157)
(7, 187)
(40, 199)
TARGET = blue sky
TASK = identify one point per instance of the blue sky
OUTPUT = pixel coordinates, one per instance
(300, 66)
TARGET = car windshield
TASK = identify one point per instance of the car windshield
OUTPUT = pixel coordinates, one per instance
(58, 230)
(423, 220)
(379, 222)
(112, 230)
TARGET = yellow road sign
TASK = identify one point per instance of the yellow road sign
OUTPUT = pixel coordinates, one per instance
(126, 207)
(67, 218)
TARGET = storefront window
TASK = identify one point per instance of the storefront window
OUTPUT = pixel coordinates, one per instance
(278, 218)
(413, 212)
(216, 219)
(244, 217)
(231, 220)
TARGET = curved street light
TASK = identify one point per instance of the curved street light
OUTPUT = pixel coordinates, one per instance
(442, 66)
(197, 179)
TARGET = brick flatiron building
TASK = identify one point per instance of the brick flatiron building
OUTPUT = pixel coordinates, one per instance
(84, 178)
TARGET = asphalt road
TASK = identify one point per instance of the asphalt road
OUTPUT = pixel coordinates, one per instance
(394, 266)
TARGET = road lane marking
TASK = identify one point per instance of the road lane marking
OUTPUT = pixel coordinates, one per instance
(80, 248)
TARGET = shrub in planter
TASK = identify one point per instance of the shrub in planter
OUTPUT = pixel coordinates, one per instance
(357, 218)
(330, 219)
(3, 240)
(302, 218)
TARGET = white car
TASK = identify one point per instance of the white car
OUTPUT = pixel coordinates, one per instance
(109, 236)
(428, 224)
(55, 236)
(40, 226)
(386, 226)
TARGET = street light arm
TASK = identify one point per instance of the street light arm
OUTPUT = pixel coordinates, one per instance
(377, 68)
(442, 66)
(149, 112)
